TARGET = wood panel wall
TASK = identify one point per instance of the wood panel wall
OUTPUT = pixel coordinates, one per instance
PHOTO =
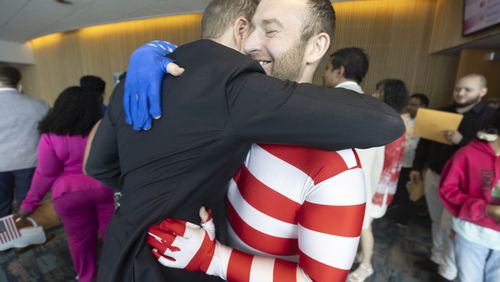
(395, 34)
(61, 59)
(447, 27)
(473, 61)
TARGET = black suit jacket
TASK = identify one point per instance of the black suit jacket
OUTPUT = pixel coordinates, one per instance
(212, 113)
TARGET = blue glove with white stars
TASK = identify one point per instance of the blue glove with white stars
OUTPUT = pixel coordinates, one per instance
(146, 69)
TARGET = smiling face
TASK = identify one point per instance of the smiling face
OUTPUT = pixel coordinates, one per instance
(276, 39)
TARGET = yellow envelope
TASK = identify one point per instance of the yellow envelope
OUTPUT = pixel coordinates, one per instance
(430, 124)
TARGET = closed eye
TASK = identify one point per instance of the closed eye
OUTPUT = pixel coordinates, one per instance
(271, 32)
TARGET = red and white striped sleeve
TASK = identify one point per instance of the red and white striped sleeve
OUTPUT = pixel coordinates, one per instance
(330, 222)
(329, 228)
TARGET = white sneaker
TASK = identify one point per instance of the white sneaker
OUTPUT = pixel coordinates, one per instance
(361, 273)
(33, 235)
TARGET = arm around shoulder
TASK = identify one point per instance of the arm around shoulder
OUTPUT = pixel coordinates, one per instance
(268, 110)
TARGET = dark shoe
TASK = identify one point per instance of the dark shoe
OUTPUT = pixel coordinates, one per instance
(426, 265)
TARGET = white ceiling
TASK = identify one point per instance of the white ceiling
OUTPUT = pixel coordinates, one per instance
(22, 20)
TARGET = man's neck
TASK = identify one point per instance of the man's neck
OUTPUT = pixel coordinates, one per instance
(305, 79)
(465, 109)
(344, 80)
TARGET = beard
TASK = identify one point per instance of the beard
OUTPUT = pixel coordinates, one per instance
(467, 103)
(289, 65)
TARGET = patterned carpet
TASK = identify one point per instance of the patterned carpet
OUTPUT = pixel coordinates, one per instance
(50, 262)
(396, 249)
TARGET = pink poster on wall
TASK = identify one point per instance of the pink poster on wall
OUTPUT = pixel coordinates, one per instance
(480, 14)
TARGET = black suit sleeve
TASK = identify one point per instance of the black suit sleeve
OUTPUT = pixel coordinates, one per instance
(103, 162)
(268, 110)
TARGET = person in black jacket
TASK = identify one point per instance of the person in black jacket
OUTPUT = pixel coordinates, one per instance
(467, 97)
(220, 105)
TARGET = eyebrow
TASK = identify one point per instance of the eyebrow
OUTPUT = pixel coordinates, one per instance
(272, 21)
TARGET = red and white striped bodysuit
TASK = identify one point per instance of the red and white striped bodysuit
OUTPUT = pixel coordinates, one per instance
(296, 214)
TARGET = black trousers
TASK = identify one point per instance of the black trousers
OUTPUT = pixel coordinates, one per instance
(402, 197)
(14, 184)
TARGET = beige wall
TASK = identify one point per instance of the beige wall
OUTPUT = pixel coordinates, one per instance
(61, 59)
(395, 34)
(473, 61)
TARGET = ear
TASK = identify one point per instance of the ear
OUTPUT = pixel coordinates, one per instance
(316, 48)
(340, 71)
(483, 91)
(241, 30)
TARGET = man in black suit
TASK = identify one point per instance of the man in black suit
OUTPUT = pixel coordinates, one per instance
(220, 105)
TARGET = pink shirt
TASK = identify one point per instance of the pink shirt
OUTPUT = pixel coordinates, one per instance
(59, 167)
(467, 182)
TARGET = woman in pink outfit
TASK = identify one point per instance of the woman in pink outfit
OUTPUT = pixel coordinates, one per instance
(84, 205)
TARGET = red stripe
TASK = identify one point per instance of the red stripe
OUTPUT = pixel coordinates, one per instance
(319, 271)
(378, 199)
(343, 221)
(284, 271)
(318, 164)
(260, 196)
(239, 266)
(8, 228)
(259, 240)
(207, 248)
(390, 198)
(15, 231)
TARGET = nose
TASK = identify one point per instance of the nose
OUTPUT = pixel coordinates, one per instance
(253, 43)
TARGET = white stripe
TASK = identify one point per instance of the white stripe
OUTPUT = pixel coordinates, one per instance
(344, 189)
(237, 243)
(349, 158)
(262, 269)
(258, 220)
(332, 250)
(190, 244)
(10, 230)
(302, 276)
(278, 174)
(15, 231)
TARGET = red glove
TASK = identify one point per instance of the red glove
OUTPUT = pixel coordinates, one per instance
(184, 245)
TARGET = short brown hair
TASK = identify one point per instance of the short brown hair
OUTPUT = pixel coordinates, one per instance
(320, 18)
(220, 14)
(9, 75)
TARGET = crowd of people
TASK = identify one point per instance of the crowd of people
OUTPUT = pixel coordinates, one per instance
(232, 165)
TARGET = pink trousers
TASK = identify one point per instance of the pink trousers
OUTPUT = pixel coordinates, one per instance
(83, 214)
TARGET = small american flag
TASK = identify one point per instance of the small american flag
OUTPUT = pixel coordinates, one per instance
(8, 229)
